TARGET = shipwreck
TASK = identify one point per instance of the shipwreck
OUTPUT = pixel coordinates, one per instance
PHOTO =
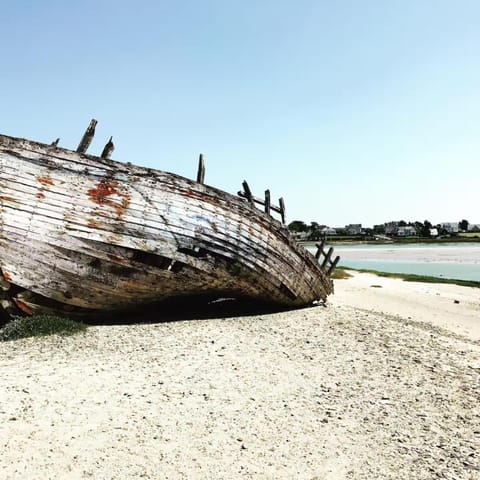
(82, 235)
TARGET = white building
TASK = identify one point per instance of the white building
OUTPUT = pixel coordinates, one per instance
(300, 236)
(407, 231)
(328, 231)
(450, 227)
(354, 228)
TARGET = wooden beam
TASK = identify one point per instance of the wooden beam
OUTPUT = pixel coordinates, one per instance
(87, 137)
(319, 249)
(248, 192)
(108, 149)
(260, 201)
(201, 170)
(282, 208)
(333, 265)
(267, 202)
(327, 258)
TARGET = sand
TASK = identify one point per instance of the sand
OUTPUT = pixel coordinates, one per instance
(447, 306)
(466, 253)
(365, 388)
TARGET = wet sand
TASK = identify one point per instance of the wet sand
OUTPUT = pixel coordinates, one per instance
(364, 388)
(469, 253)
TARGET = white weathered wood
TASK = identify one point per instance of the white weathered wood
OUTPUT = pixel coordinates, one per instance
(87, 137)
(86, 206)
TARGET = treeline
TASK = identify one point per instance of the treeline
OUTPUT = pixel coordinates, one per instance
(426, 229)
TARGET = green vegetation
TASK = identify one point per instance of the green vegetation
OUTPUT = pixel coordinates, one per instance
(358, 240)
(340, 274)
(39, 326)
(409, 277)
(470, 235)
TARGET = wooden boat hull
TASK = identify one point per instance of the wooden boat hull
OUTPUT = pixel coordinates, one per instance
(84, 234)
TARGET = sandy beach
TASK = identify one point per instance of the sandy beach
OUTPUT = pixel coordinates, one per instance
(466, 253)
(381, 383)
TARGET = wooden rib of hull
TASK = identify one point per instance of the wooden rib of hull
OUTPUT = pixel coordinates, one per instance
(97, 235)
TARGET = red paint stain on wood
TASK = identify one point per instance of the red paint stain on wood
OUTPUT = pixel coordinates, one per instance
(93, 223)
(45, 180)
(7, 277)
(23, 307)
(7, 198)
(40, 195)
(106, 188)
(193, 194)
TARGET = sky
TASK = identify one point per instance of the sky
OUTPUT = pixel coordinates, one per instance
(352, 111)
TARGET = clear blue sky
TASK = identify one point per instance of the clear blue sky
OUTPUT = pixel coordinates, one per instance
(353, 111)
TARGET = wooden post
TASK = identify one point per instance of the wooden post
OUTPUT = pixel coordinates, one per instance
(282, 209)
(319, 249)
(248, 192)
(87, 137)
(267, 202)
(333, 265)
(327, 258)
(55, 143)
(108, 150)
(201, 170)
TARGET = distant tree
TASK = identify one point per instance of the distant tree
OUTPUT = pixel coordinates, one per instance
(442, 231)
(402, 223)
(298, 226)
(379, 229)
(418, 226)
(425, 229)
(315, 231)
(463, 225)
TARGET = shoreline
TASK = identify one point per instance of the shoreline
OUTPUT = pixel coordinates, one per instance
(452, 261)
(394, 241)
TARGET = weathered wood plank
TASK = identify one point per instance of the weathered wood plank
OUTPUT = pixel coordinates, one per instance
(267, 202)
(142, 233)
(201, 170)
(319, 249)
(327, 258)
(247, 193)
(155, 220)
(108, 149)
(282, 209)
(87, 137)
(333, 265)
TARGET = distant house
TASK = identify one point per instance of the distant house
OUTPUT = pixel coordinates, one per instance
(328, 231)
(434, 232)
(474, 227)
(450, 227)
(300, 236)
(391, 228)
(406, 231)
(354, 229)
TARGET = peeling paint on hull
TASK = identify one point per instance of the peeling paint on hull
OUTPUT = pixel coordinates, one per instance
(85, 234)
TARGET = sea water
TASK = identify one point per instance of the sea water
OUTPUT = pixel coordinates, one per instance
(458, 261)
